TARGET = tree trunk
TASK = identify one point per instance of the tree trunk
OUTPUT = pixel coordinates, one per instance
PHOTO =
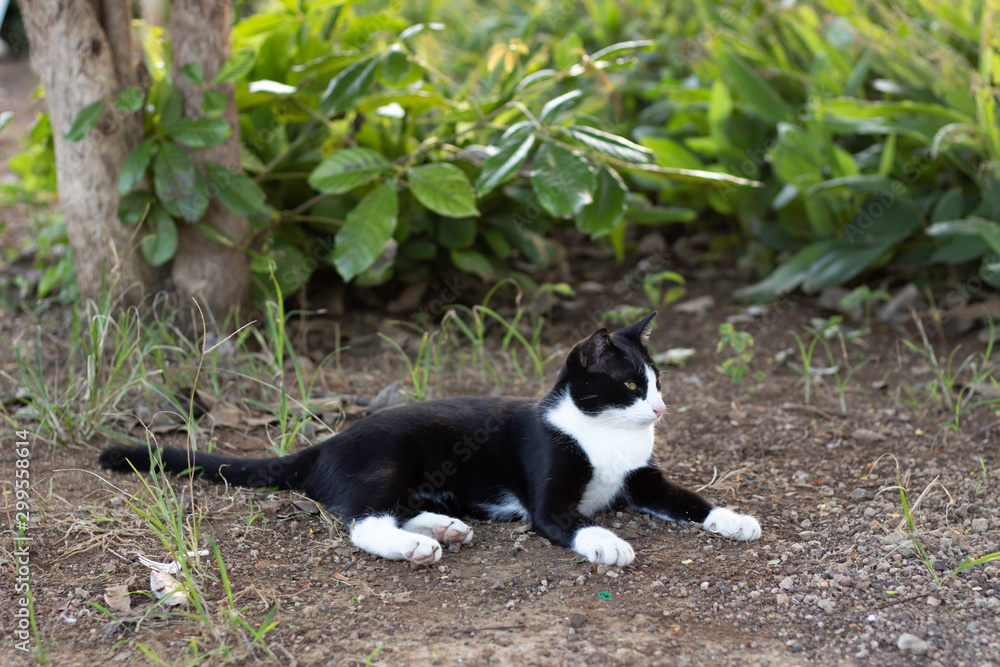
(79, 65)
(217, 276)
(84, 52)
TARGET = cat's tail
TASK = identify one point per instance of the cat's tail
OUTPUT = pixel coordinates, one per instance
(284, 472)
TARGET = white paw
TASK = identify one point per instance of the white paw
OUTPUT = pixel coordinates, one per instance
(731, 524)
(440, 527)
(423, 551)
(600, 545)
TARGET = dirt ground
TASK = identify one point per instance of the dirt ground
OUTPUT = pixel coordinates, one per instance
(834, 580)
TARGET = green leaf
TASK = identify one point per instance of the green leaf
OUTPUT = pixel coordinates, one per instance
(349, 86)
(949, 206)
(86, 119)
(502, 165)
(239, 64)
(796, 158)
(669, 153)
(756, 91)
(600, 216)
(474, 262)
(172, 107)
(134, 166)
(960, 248)
(610, 144)
(444, 189)
(658, 215)
(199, 133)
(132, 207)
(130, 99)
(395, 66)
(988, 230)
(621, 47)
(841, 262)
(239, 194)
(213, 103)
(563, 181)
(179, 184)
(173, 173)
(792, 273)
(556, 107)
(193, 73)
(346, 169)
(160, 245)
(456, 233)
(366, 231)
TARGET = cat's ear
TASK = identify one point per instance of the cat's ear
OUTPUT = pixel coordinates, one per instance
(639, 332)
(594, 347)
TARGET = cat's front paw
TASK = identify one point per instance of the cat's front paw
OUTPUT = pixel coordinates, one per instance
(423, 550)
(732, 524)
(600, 545)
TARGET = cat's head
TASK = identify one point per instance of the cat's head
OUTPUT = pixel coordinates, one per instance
(612, 376)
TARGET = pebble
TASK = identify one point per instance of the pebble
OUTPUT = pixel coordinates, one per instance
(867, 435)
(826, 605)
(788, 583)
(576, 620)
(860, 494)
(781, 599)
(979, 525)
(908, 643)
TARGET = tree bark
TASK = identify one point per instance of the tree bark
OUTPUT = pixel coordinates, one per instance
(219, 277)
(79, 65)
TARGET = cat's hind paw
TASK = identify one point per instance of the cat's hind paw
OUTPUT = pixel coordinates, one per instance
(600, 545)
(732, 524)
(444, 529)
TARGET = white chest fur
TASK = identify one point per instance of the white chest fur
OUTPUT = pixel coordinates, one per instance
(614, 450)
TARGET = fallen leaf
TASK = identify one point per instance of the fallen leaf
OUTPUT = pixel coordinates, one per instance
(224, 413)
(117, 598)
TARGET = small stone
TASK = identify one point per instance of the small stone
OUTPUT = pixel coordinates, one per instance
(933, 602)
(908, 643)
(310, 611)
(787, 583)
(497, 585)
(781, 599)
(576, 620)
(866, 435)
(656, 586)
(897, 310)
(979, 525)
(388, 397)
(697, 306)
(704, 585)
(517, 581)
(860, 494)
(826, 605)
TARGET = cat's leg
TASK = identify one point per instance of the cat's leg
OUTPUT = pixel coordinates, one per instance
(380, 535)
(441, 527)
(567, 528)
(647, 490)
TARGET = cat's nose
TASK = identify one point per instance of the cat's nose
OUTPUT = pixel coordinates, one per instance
(659, 411)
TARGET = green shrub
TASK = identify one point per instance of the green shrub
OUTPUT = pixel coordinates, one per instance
(397, 141)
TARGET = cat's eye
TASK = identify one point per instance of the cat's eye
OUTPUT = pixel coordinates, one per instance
(630, 386)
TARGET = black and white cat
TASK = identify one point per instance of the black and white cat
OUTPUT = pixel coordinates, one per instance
(404, 476)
